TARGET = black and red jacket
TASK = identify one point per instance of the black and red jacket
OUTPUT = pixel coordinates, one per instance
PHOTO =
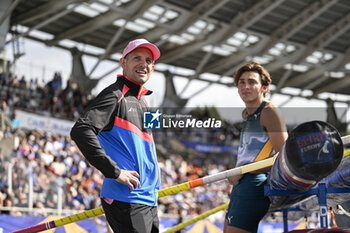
(111, 137)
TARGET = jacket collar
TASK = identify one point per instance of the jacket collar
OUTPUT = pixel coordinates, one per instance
(134, 88)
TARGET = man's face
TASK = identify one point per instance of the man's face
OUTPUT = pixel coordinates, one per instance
(138, 65)
(250, 88)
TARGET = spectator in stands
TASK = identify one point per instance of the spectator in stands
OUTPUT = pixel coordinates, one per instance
(40, 209)
(4, 108)
(7, 132)
(5, 191)
(1, 200)
(57, 167)
(22, 83)
(111, 132)
(15, 82)
(33, 84)
(15, 121)
(2, 159)
(6, 79)
(8, 202)
(263, 130)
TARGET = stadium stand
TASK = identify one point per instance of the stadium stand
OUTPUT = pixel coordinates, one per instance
(53, 161)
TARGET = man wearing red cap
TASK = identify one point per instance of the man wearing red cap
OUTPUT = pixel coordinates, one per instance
(111, 137)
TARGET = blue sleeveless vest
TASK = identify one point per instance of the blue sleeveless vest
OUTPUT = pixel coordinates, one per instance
(255, 144)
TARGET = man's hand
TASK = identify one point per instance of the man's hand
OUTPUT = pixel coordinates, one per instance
(129, 178)
(234, 179)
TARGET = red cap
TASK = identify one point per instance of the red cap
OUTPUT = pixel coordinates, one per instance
(141, 43)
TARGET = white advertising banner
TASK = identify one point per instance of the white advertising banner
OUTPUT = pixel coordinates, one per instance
(44, 123)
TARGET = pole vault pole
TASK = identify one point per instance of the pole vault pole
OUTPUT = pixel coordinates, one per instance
(161, 193)
(196, 219)
(217, 177)
(164, 192)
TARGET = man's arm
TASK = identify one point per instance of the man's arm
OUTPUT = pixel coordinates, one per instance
(272, 121)
(99, 116)
(85, 131)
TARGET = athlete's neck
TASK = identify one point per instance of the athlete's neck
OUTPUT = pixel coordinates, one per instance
(251, 107)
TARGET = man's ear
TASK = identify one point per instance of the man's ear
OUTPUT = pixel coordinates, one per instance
(265, 88)
(122, 62)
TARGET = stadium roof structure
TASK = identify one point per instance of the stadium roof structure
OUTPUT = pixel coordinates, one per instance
(305, 44)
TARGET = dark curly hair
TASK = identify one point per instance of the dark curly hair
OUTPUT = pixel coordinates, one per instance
(253, 67)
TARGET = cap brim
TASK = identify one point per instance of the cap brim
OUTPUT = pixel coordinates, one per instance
(155, 51)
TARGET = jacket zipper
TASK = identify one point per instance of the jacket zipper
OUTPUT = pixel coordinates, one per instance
(154, 157)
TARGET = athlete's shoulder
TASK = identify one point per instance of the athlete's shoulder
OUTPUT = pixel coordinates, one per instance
(270, 113)
(269, 105)
(269, 109)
